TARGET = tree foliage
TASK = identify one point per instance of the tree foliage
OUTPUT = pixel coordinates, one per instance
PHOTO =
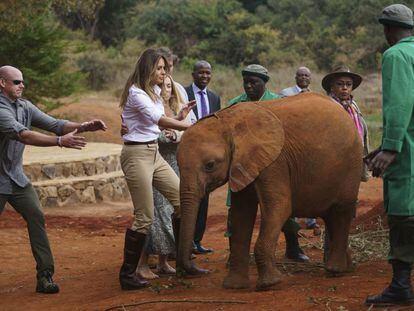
(219, 30)
(41, 36)
(322, 32)
(35, 43)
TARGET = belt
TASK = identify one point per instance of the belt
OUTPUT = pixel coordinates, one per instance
(140, 142)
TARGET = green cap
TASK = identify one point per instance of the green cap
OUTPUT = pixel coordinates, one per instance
(257, 71)
(397, 15)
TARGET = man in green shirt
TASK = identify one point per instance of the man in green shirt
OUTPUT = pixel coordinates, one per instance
(393, 160)
(255, 78)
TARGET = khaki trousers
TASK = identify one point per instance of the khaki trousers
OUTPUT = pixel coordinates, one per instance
(144, 167)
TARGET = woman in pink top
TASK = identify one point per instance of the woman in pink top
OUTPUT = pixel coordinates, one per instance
(339, 85)
(143, 114)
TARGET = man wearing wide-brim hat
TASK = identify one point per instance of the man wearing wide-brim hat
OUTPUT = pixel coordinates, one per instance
(339, 85)
(393, 160)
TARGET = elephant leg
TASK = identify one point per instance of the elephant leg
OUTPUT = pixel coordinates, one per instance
(338, 221)
(275, 210)
(242, 216)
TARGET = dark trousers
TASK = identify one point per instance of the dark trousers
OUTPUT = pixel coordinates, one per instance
(26, 202)
(401, 238)
(201, 220)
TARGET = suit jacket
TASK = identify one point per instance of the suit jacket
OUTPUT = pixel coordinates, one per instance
(213, 100)
(290, 91)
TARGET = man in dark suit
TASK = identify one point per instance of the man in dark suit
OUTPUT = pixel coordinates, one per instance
(207, 103)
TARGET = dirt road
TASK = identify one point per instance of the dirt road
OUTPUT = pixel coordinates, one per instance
(87, 242)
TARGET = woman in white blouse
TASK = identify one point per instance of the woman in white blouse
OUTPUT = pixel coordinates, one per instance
(143, 166)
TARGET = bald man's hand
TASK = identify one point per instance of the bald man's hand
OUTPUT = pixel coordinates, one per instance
(71, 140)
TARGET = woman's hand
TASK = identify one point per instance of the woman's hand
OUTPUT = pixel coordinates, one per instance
(185, 110)
(170, 134)
(124, 129)
(92, 126)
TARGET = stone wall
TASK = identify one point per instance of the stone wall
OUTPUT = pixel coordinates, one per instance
(76, 177)
(83, 191)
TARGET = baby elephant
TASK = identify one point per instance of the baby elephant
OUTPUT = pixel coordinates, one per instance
(298, 156)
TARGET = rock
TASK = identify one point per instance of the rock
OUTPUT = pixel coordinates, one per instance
(49, 170)
(105, 193)
(58, 171)
(65, 191)
(67, 169)
(34, 172)
(50, 191)
(88, 195)
(72, 199)
(100, 166)
(89, 168)
(77, 169)
(118, 193)
(112, 164)
(50, 202)
(81, 185)
(99, 183)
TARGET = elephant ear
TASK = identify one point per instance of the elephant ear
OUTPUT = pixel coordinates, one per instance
(258, 139)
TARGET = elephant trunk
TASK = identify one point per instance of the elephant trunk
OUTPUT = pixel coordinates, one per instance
(190, 201)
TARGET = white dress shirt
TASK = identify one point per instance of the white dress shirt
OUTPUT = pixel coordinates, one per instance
(141, 115)
(198, 99)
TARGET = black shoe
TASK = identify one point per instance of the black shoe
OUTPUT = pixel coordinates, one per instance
(134, 243)
(199, 249)
(46, 285)
(298, 257)
(389, 297)
(399, 292)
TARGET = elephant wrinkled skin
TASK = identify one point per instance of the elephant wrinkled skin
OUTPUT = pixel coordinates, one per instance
(298, 156)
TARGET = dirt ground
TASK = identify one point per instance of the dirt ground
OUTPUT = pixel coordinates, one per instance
(87, 242)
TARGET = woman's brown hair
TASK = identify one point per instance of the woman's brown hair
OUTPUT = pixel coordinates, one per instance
(141, 77)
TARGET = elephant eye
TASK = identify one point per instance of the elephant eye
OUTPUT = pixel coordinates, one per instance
(209, 166)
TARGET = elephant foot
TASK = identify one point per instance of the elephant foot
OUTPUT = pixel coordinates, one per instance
(268, 282)
(336, 267)
(269, 279)
(234, 281)
(191, 270)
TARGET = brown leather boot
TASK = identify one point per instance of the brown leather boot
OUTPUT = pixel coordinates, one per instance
(134, 243)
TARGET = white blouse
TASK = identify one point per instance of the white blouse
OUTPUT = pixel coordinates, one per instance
(141, 115)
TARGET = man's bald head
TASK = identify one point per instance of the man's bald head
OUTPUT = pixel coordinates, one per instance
(201, 64)
(303, 69)
(201, 74)
(11, 82)
(303, 77)
(7, 71)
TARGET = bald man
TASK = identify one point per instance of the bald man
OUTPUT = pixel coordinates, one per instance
(17, 115)
(207, 103)
(303, 79)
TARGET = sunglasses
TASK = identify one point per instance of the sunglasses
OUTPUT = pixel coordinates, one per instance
(17, 82)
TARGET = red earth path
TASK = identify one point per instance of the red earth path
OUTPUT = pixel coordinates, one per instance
(87, 243)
